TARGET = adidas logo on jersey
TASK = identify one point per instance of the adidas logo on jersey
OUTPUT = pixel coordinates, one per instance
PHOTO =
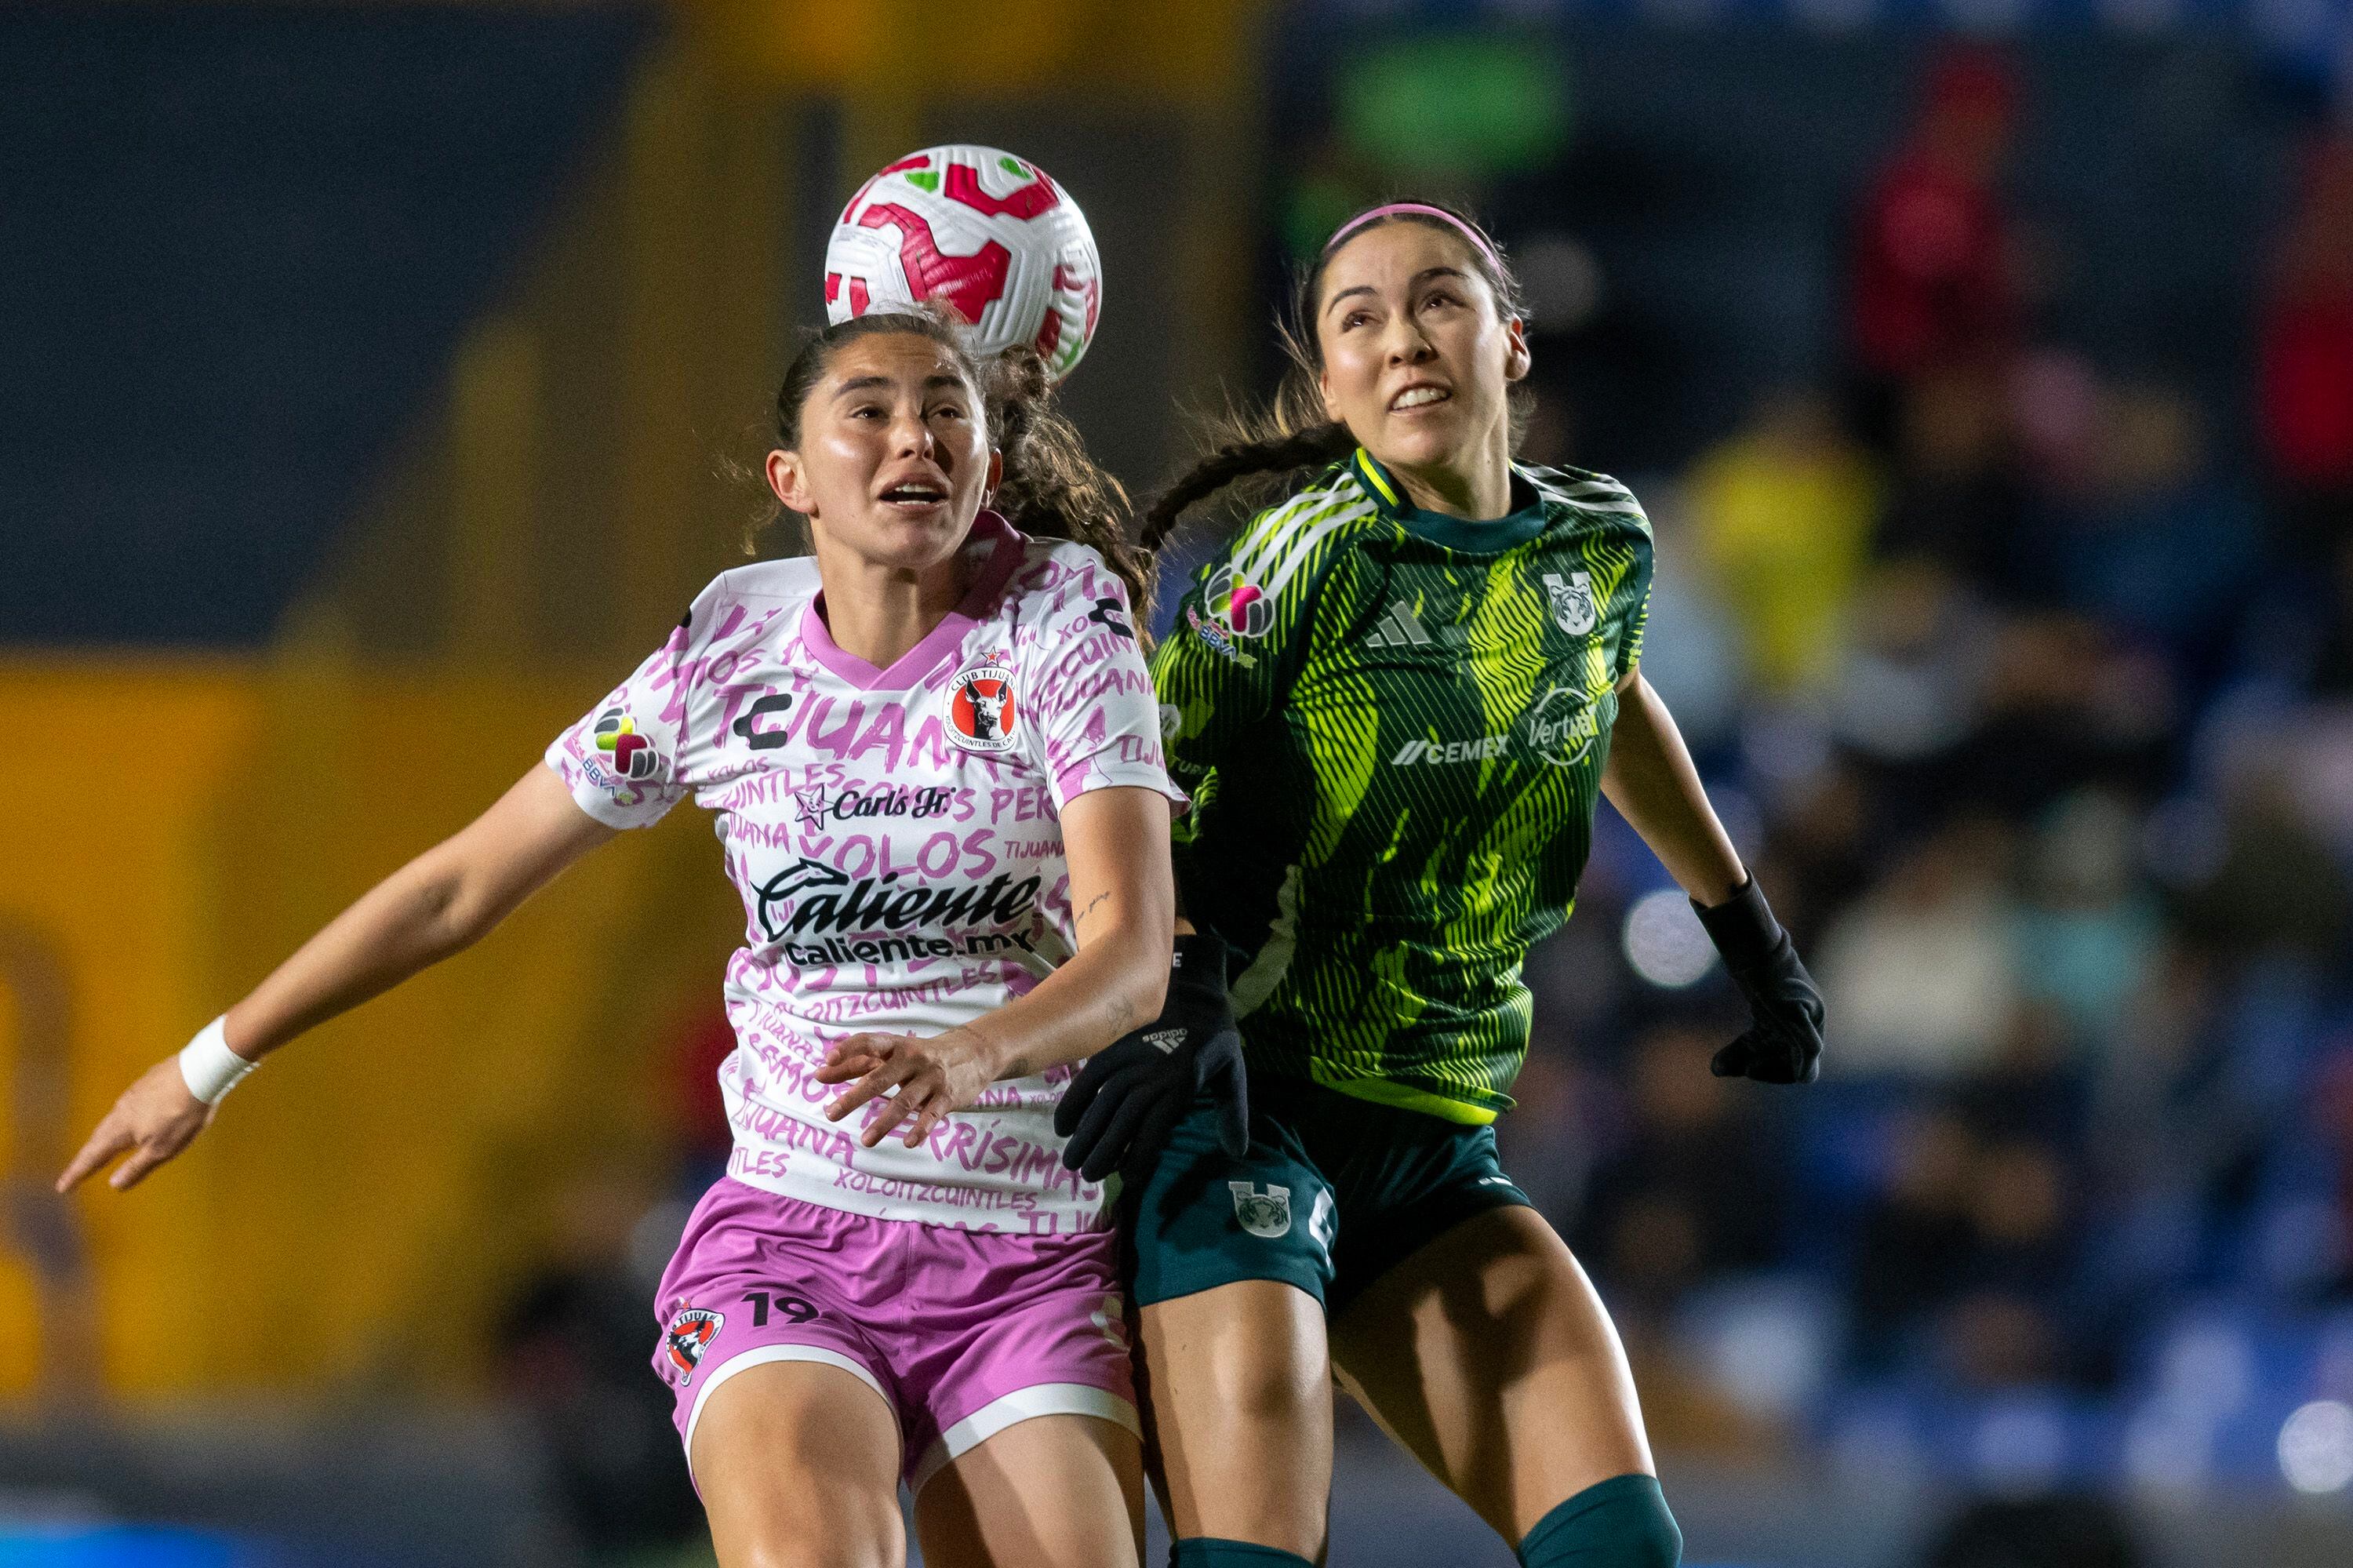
(1397, 629)
(1484, 749)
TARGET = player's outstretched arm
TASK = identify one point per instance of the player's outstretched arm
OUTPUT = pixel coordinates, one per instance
(439, 904)
(1124, 903)
(1650, 780)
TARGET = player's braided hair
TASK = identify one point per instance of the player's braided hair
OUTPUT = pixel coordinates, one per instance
(1050, 488)
(1258, 447)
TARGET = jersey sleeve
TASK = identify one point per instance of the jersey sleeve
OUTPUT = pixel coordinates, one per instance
(622, 761)
(1091, 701)
(1225, 662)
(1632, 600)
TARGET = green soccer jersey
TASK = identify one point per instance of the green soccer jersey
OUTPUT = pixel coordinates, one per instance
(1392, 724)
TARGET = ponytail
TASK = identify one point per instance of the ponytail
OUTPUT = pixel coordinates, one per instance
(1051, 488)
(1267, 453)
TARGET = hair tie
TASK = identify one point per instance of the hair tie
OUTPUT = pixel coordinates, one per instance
(1397, 208)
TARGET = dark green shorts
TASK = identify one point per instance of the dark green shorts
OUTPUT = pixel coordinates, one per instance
(1334, 1191)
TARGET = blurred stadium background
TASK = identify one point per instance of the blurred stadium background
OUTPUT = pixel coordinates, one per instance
(371, 378)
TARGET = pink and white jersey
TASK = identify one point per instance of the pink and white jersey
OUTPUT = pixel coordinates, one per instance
(896, 837)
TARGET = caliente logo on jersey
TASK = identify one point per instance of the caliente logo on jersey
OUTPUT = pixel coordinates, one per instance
(982, 714)
(690, 1332)
(1573, 609)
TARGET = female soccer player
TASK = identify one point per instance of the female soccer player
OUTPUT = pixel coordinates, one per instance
(1394, 695)
(934, 759)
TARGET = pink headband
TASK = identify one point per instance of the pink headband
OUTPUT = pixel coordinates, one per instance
(1422, 209)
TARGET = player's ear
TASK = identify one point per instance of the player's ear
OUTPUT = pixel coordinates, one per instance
(1323, 388)
(996, 476)
(789, 480)
(1517, 355)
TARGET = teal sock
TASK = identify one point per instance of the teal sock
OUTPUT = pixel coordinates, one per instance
(1202, 1551)
(1623, 1522)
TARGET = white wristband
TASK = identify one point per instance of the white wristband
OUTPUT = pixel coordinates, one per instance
(209, 1066)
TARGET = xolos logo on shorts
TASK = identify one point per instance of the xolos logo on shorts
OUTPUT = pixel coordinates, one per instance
(982, 714)
(690, 1332)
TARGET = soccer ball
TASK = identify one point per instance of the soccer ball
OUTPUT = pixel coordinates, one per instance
(986, 232)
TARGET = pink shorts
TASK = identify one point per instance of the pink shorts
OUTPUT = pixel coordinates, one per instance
(963, 1333)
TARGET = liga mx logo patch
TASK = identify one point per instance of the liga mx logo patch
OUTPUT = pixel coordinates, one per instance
(1265, 1214)
(630, 754)
(982, 714)
(689, 1334)
(1573, 608)
(1242, 607)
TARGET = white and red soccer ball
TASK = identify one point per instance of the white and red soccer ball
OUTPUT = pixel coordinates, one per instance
(986, 232)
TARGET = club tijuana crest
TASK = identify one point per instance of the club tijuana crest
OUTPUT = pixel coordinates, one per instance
(690, 1332)
(982, 714)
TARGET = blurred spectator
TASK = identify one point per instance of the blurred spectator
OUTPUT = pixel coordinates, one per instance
(2148, 540)
(2033, 1087)
(577, 1338)
(1920, 975)
(1930, 278)
(2005, 1331)
(2306, 385)
(2332, 669)
(1911, 1243)
(1546, 1142)
(1955, 497)
(1693, 651)
(1912, 682)
(2088, 932)
(2277, 887)
(2332, 1113)
(1783, 511)
(2065, 705)
(1696, 1188)
(1824, 850)
(1963, 1259)
(2169, 1144)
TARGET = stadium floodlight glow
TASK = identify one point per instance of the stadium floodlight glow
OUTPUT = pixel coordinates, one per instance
(1664, 941)
(2315, 1447)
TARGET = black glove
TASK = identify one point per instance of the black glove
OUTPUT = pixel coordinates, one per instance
(1784, 1044)
(1119, 1110)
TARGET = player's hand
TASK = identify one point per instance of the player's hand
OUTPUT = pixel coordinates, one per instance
(1783, 1043)
(932, 1078)
(1119, 1112)
(156, 1119)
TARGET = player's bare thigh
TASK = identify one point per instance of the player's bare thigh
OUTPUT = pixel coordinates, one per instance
(1238, 1384)
(1489, 1356)
(1054, 1491)
(799, 1463)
